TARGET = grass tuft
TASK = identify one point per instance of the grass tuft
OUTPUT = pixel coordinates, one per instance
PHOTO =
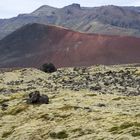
(6, 134)
(118, 129)
(135, 134)
(59, 135)
(16, 109)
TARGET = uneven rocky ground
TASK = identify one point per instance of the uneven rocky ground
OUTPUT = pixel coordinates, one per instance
(95, 103)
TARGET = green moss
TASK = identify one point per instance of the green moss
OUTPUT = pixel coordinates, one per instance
(91, 95)
(16, 109)
(137, 115)
(6, 134)
(77, 129)
(59, 135)
(68, 107)
(118, 129)
(11, 97)
(43, 116)
(136, 124)
(135, 134)
(125, 125)
(17, 96)
(112, 129)
(118, 98)
(85, 132)
(3, 101)
(137, 73)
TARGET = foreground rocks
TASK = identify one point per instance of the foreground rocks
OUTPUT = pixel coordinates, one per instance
(104, 80)
(100, 103)
(36, 98)
(114, 80)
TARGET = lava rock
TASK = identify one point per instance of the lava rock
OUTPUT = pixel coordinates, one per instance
(48, 68)
(36, 98)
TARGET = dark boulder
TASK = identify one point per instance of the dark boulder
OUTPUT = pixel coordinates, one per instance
(36, 98)
(48, 68)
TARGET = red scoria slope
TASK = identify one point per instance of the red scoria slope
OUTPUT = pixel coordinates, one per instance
(35, 44)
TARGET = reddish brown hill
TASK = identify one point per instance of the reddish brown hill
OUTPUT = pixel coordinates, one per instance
(35, 44)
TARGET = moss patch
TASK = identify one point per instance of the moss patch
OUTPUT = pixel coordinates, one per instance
(135, 134)
(119, 98)
(16, 109)
(118, 129)
(7, 133)
(59, 135)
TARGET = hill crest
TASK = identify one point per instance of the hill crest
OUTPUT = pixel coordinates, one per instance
(35, 44)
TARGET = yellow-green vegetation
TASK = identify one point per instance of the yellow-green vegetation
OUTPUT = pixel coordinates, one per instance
(135, 134)
(16, 109)
(119, 98)
(125, 125)
(6, 134)
(59, 135)
(71, 114)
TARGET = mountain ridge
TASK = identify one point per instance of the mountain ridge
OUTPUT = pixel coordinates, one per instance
(112, 20)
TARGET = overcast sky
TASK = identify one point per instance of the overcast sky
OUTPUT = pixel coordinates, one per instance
(10, 8)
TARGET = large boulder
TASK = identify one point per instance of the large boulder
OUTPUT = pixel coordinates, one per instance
(48, 68)
(36, 98)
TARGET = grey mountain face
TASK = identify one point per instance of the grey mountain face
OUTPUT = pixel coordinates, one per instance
(112, 20)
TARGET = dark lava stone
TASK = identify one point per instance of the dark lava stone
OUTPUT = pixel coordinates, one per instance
(36, 98)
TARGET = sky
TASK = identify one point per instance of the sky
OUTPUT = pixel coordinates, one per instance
(11, 8)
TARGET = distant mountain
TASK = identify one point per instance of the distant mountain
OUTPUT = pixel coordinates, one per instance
(35, 44)
(111, 20)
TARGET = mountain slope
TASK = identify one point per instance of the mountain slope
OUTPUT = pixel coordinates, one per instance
(35, 44)
(112, 20)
